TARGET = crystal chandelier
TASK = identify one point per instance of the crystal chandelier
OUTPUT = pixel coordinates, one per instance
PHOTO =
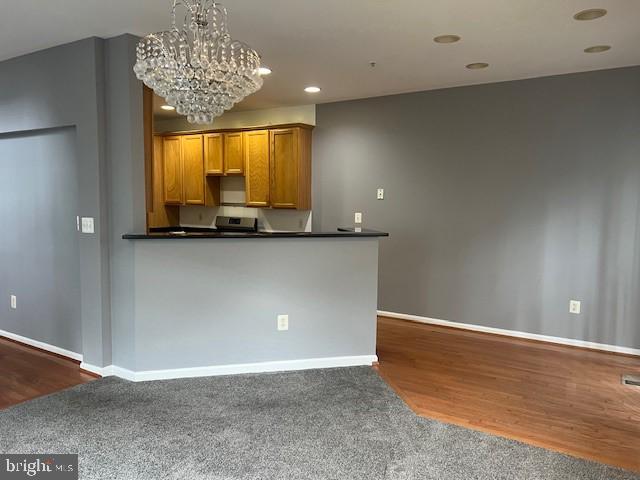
(196, 67)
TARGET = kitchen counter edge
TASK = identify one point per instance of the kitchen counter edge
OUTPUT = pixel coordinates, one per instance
(341, 233)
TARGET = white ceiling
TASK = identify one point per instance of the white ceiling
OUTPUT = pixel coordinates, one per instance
(330, 43)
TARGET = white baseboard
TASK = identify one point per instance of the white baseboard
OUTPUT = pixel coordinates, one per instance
(215, 370)
(513, 333)
(115, 371)
(44, 346)
(109, 371)
(102, 371)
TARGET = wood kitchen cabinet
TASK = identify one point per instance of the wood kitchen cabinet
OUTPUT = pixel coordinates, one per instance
(214, 153)
(183, 169)
(159, 214)
(233, 153)
(290, 168)
(172, 170)
(256, 161)
(276, 163)
(193, 169)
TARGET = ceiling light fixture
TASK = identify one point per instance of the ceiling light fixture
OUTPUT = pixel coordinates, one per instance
(477, 66)
(590, 14)
(264, 71)
(167, 107)
(447, 39)
(196, 66)
(597, 49)
(312, 89)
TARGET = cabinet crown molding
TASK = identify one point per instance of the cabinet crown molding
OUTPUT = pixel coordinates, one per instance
(241, 129)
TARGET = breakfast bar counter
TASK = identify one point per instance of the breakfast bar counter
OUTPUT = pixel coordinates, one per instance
(201, 305)
(185, 233)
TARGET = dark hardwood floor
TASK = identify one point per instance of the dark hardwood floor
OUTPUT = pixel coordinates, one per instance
(562, 398)
(27, 373)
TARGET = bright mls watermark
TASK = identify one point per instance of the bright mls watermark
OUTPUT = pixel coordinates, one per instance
(49, 466)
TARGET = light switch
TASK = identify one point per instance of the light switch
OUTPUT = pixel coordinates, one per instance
(357, 217)
(87, 225)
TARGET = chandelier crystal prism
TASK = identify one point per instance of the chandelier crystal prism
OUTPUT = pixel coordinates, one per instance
(196, 66)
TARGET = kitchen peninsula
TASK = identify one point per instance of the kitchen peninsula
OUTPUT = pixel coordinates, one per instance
(207, 304)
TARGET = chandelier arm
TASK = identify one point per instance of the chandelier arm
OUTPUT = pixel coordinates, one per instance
(223, 12)
(158, 38)
(176, 4)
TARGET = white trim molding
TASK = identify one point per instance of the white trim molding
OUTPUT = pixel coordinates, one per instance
(208, 371)
(102, 371)
(235, 369)
(513, 333)
(109, 371)
(41, 345)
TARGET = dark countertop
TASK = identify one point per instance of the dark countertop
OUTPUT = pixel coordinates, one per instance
(203, 233)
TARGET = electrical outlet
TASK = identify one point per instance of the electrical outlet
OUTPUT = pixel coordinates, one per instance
(574, 307)
(14, 302)
(380, 194)
(283, 322)
(87, 225)
(358, 217)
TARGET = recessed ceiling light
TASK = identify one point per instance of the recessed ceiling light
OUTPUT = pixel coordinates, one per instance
(312, 89)
(597, 49)
(264, 71)
(447, 39)
(590, 14)
(477, 66)
(167, 107)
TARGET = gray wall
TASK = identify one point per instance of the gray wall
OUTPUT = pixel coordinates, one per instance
(89, 85)
(192, 309)
(39, 250)
(503, 201)
(64, 86)
(125, 154)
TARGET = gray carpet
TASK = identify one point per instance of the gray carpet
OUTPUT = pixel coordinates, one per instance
(342, 424)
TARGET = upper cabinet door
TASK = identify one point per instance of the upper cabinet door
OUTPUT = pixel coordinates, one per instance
(193, 169)
(214, 153)
(172, 170)
(233, 154)
(256, 152)
(284, 168)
